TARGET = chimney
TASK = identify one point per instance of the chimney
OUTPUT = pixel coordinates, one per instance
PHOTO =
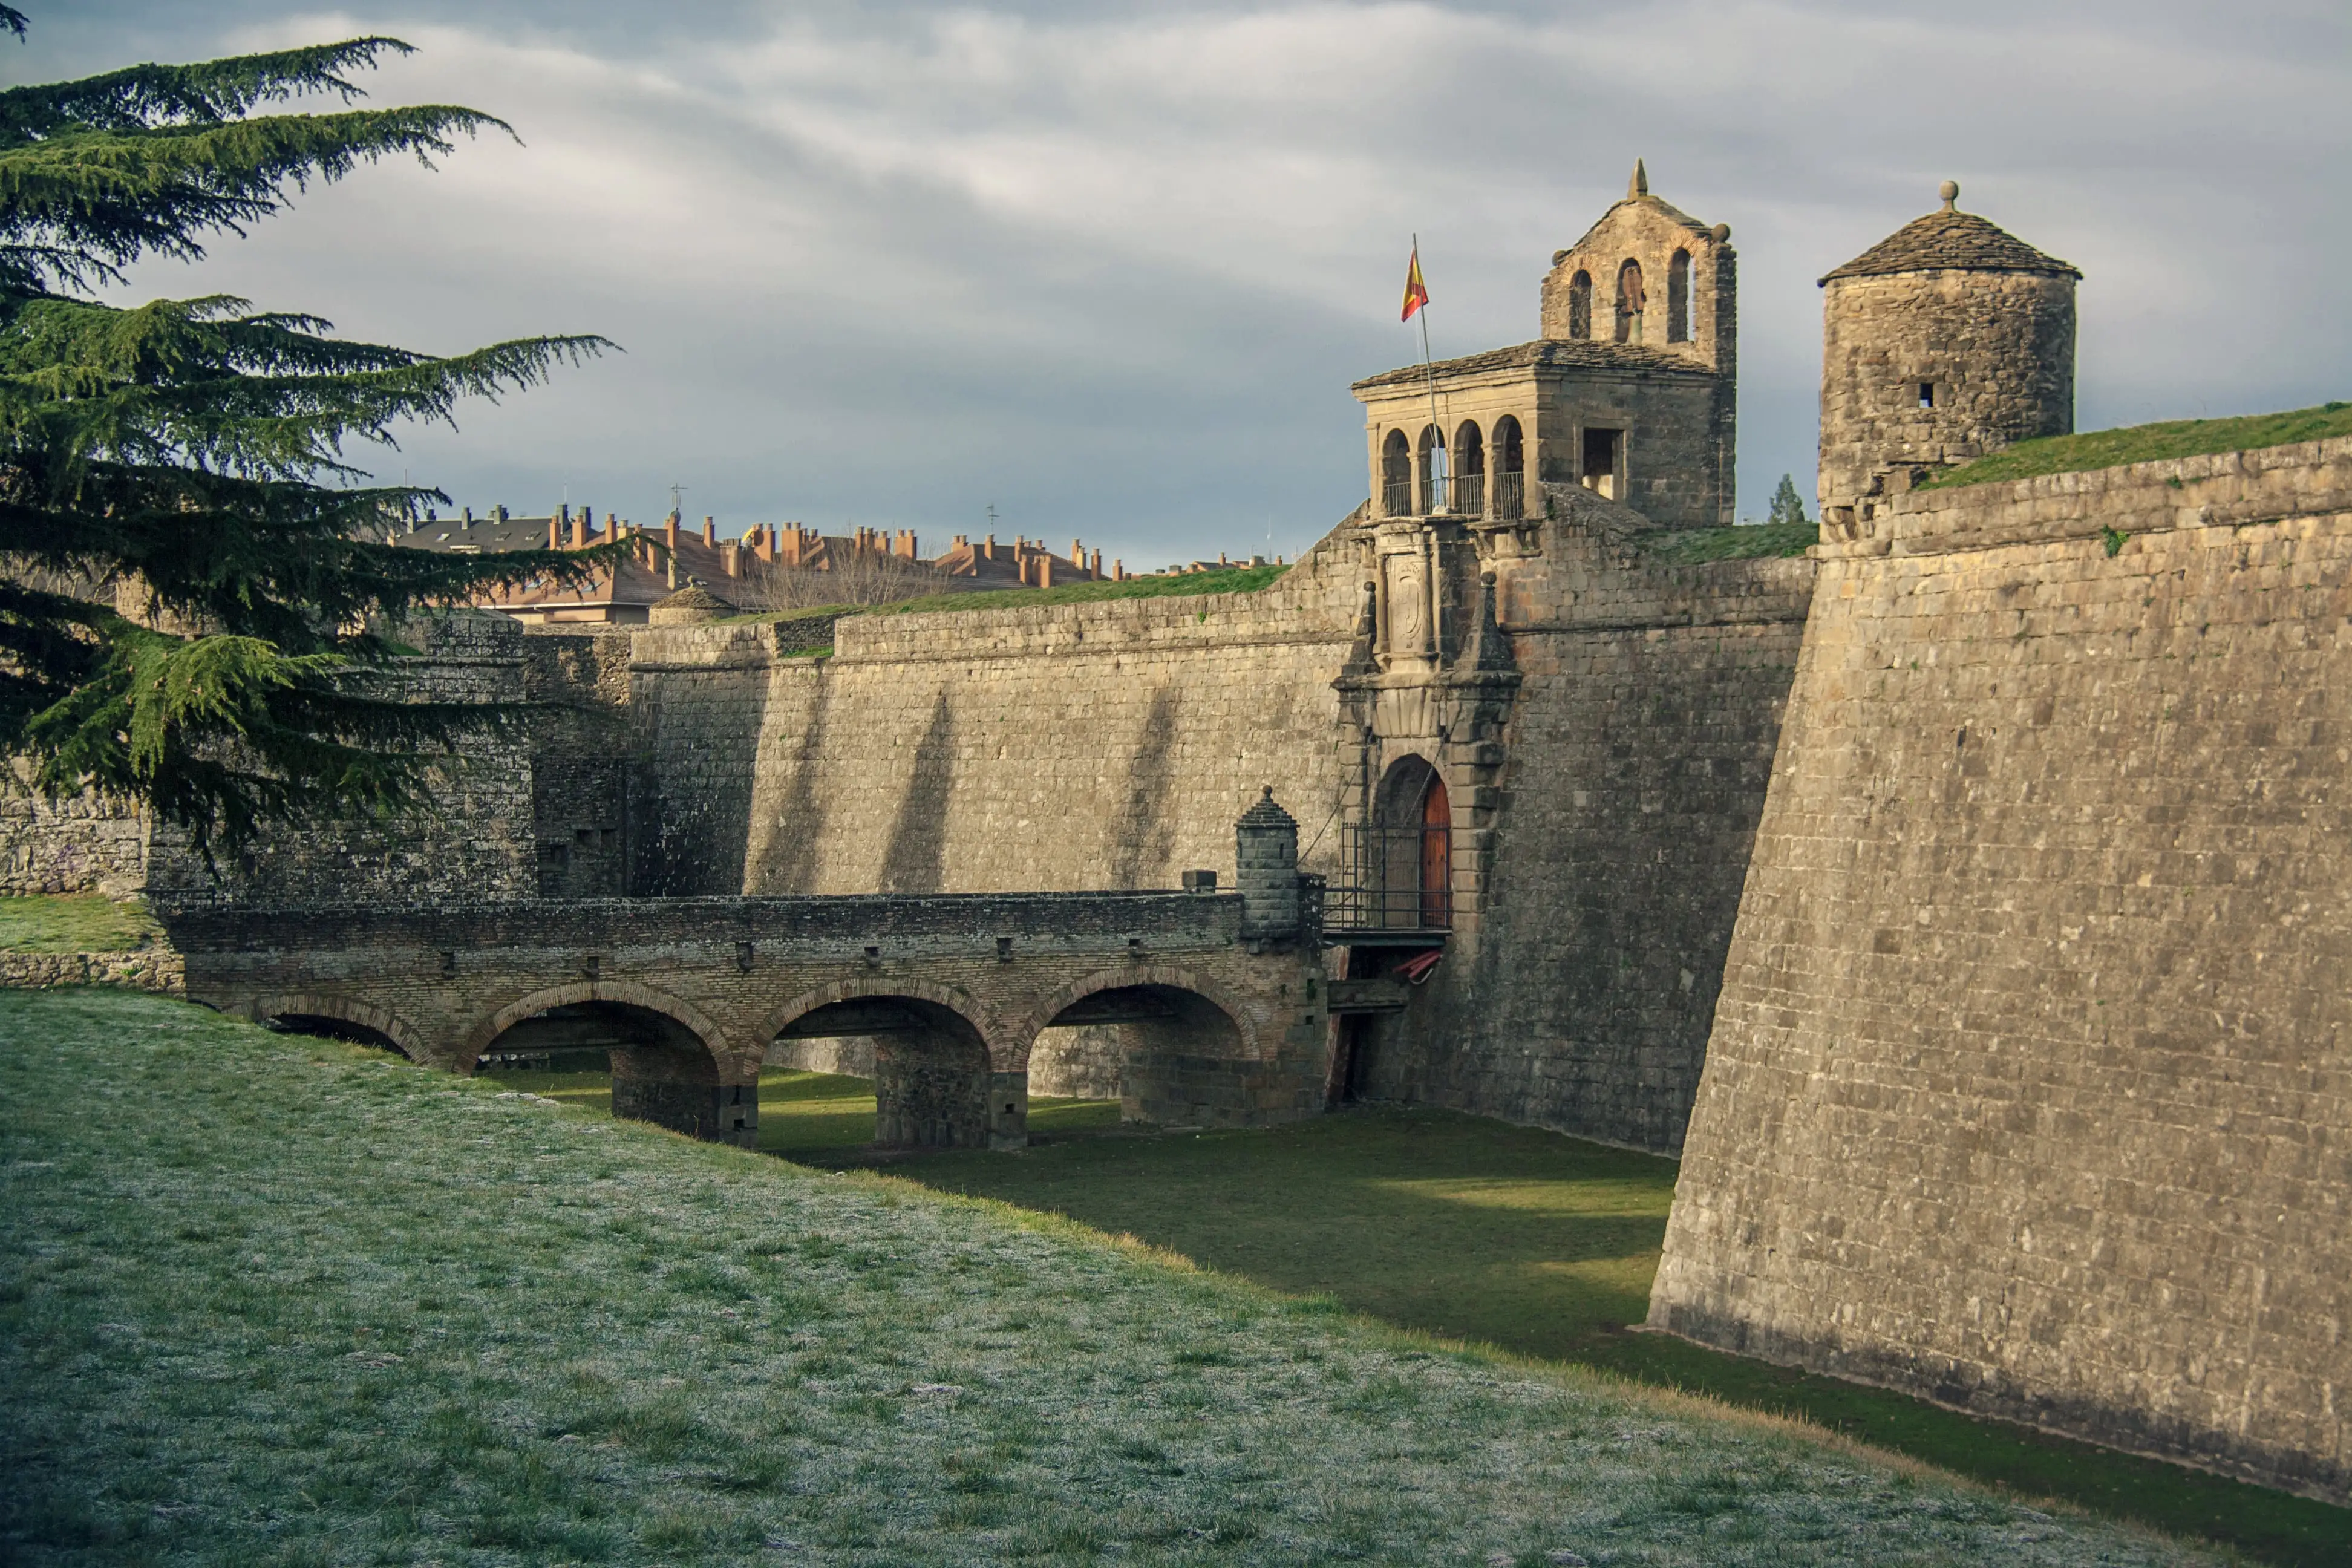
(767, 541)
(1077, 555)
(554, 534)
(1117, 571)
(670, 532)
(1096, 567)
(731, 558)
(710, 534)
(1045, 570)
(989, 549)
(579, 530)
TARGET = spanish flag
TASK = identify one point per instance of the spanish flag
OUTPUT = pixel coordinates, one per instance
(1417, 293)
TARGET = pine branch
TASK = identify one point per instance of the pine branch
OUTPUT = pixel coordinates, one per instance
(142, 97)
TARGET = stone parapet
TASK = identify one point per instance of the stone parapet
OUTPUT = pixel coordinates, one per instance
(143, 969)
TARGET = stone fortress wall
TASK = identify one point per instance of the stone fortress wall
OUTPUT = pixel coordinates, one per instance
(2031, 1085)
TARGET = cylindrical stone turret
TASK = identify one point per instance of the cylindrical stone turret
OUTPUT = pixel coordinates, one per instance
(1949, 339)
(1265, 870)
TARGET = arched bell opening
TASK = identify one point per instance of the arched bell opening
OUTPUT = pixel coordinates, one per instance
(1509, 457)
(1631, 302)
(1580, 304)
(1396, 475)
(1430, 451)
(1181, 1061)
(1469, 471)
(662, 1071)
(933, 1084)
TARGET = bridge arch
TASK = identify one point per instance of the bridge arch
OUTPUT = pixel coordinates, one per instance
(1134, 976)
(940, 1056)
(1187, 1052)
(395, 1030)
(672, 1064)
(985, 1020)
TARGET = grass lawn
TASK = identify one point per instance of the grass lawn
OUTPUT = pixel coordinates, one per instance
(2147, 443)
(74, 923)
(267, 1299)
(1742, 542)
(1475, 1229)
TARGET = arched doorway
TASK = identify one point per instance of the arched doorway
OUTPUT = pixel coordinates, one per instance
(1416, 848)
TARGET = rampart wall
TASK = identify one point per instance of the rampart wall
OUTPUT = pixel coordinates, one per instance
(2031, 1085)
(1108, 744)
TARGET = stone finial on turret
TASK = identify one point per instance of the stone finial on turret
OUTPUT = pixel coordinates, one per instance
(1639, 185)
(1950, 191)
(1265, 870)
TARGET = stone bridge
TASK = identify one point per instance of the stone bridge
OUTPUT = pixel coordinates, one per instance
(1219, 998)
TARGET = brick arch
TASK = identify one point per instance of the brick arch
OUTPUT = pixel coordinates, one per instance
(983, 1018)
(628, 992)
(1131, 975)
(345, 1010)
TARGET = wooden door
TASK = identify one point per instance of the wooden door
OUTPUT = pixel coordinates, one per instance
(1436, 858)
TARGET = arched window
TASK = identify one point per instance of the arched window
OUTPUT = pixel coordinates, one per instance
(1396, 475)
(1630, 301)
(1469, 471)
(1580, 304)
(1679, 300)
(1433, 469)
(1510, 464)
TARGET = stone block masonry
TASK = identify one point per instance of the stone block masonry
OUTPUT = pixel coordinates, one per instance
(2031, 1085)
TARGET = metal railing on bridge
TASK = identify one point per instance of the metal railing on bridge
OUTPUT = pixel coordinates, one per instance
(1393, 884)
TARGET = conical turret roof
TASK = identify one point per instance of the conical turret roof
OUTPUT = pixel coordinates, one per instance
(1952, 241)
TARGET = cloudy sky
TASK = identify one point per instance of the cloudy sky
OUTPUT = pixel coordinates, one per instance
(1111, 267)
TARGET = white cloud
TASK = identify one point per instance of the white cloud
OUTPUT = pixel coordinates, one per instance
(1113, 269)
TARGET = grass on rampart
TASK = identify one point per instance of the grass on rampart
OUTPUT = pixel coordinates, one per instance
(272, 1301)
(1179, 584)
(2150, 443)
(74, 923)
(1742, 542)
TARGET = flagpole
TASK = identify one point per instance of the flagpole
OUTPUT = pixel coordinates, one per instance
(1430, 369)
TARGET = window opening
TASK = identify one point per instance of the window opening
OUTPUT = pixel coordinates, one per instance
(1580, 305)
(1602, 449)
(1433, 469)
(1927, 394)
(1679, 300)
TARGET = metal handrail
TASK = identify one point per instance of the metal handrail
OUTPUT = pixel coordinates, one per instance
(1469, 494)
(1379, 884)
(1396, 497)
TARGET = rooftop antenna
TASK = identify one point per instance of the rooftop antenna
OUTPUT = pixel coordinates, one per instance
(677, 505)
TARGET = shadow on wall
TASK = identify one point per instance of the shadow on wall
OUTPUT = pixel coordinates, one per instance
(916, 862)
(1145, 833)
(786, 861)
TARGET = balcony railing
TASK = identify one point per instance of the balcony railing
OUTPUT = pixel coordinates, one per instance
(1396, 498)
(1392, 880)
(1469, 495)
(1510, 495)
